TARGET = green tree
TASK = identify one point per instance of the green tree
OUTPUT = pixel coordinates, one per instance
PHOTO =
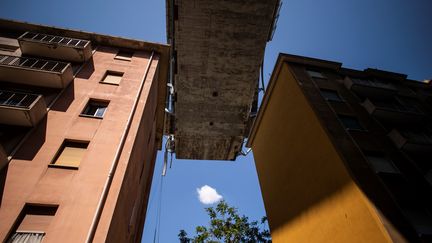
(226, 225)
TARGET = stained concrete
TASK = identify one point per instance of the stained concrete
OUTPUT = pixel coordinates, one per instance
(219, 47)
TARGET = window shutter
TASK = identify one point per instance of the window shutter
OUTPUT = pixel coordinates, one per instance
(70, 156)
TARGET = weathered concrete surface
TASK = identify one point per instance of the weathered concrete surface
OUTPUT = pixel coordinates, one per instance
(219, 47)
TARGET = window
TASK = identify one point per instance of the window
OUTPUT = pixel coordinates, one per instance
(124, 55)
(381, 163)
(331, 95)
(70, 154)
(112, 77)
(315, 74)
(34, 221)
(95, 108)
(350, 122)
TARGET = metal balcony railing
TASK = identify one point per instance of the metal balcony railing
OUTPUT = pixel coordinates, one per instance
(373, 83)
(35, 71)
(418, 137)
(397, 105)
(17, 99)
(416, 142)
(21, 109)
(52, 39)
(55, 47)
(33, 63)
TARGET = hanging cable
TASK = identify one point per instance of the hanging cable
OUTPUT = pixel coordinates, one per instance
(262, 73)
(169, 148)
(158, 212)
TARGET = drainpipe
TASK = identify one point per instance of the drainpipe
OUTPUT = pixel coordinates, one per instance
(116, 159)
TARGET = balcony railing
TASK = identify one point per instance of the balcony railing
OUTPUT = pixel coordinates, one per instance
(70, 42)
(33, 63)
(369, 88)
(417, 142)
(14, 99)
(394, 111)
(35, 71)
(375, 83)
(57, 47)
(21, 109)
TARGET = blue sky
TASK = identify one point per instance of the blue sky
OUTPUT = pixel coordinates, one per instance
(393, 35)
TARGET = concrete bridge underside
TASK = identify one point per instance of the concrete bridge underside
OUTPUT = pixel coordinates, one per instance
(219, 47)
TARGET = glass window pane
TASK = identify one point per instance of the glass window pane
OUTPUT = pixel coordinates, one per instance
(90, 110)
(100, 111)
(382, 164)
(350, 122)
(95, 108)
(315, 74)
(330, 95)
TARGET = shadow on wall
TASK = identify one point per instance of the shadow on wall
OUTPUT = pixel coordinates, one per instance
(87, 70)
(63, 103)
(315, 186)
(33, 144)
(3, 173)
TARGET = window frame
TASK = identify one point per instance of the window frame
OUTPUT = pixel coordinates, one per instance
(96, 102)
(369, 154)
(60, 150)
(362, 127)
(341, 100)
(32, 209)
(126, 58)
(113, 73)
(312, 72)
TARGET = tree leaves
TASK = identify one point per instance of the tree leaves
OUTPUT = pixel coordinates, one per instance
(226, 225)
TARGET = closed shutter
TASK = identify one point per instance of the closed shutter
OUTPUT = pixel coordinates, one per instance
(71, 154)
(112, 78)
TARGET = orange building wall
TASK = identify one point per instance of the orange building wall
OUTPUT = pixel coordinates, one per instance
(77, 192)
(308, 193)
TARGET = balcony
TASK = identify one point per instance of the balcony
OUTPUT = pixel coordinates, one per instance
(21, 109)
(56, 47)
(369, 88)
(415, 142)
(394, 110)
(34, 71)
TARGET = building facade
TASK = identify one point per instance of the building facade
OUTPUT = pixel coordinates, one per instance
(81, 119)
(344, 155)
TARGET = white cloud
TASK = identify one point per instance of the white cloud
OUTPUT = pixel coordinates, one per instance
(208, 195)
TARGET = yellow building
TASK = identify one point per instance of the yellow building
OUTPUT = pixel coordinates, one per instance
(330, 166)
